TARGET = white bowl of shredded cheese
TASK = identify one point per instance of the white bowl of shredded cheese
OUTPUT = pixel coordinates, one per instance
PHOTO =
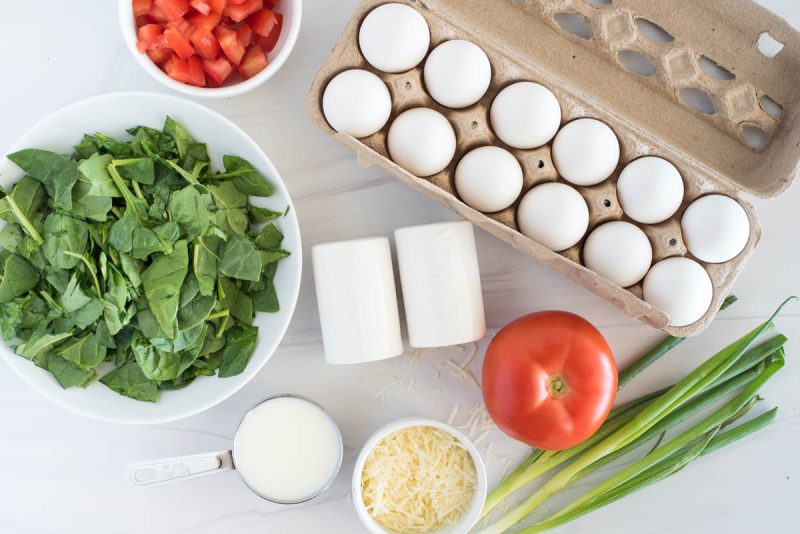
(419, 475)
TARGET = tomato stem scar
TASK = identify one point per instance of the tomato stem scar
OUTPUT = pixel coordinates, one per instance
(557, 387)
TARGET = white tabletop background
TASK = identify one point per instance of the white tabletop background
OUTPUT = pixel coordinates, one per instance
(60, 472)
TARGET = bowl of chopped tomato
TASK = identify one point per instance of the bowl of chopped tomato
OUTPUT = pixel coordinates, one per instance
(211, 48)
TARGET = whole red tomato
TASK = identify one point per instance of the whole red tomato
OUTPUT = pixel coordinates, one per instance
(549, 380)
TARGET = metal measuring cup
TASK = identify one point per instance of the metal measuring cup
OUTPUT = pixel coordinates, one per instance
(166, 470)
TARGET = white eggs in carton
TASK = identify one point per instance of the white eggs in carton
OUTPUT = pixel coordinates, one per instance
(500, 126)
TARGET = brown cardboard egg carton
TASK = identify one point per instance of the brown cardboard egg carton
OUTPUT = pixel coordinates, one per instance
(525, 40)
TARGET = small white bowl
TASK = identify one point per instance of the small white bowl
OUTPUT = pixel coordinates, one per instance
(291, 10)
(472, 514)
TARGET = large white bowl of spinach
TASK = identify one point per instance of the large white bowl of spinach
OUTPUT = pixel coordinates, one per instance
(150, 260)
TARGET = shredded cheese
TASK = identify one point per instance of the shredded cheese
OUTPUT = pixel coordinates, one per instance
(418, 479)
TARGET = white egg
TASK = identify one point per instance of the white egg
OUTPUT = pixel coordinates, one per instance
(619, 251)
(554, 215)
(679, 287)
(457, 73)
(525, 115)
(422, 141)
(650, 190)
(488, 179)
(585, 152)
(394, 38)
(357, 103)
(715, 228)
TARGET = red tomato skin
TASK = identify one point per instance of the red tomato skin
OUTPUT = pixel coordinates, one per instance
(149, 37)
(217, 69)
(182, 26)
(245, 35)
(239, 12)
(178, 43)
(141, 7)
(209, 22)
(157, 14)
(253, 62)
(159, 55)
(230, 44)
(262, 22)
(268, 43)
(518, 368)
(218, 6)
(205, 43)
(173, 9)
(188, 71)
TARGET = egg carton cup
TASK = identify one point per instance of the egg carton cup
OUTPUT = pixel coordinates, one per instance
(712, 147)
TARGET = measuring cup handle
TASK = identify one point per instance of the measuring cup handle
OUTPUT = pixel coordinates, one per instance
(157, 472)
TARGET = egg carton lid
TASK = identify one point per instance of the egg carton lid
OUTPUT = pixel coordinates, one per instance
(713, 93)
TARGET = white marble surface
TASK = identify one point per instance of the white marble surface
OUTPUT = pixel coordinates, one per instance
(62, 473)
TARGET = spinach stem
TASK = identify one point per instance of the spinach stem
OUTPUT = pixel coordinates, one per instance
(120, 183)
(217, 315)
(24, 221)
(91, 269)
(222, 326)
(137, 190)
(46, 296)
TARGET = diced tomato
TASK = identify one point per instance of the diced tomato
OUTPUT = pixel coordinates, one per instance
(239, 12)
(209, 22)
(218, 6)
(178, 43)
(202, 6)
(262, 22)
(183, 27)
(141, 7)
(159, 55)
(205, 43)
(253, 62)
(230, 44)
(188, 71)
(268, 43)
(157, 14)
(202, 42)
(148, 35)
(173, 9)
(217, 69)
(245, 35)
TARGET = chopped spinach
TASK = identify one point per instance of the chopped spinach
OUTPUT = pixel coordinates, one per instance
(135, 252)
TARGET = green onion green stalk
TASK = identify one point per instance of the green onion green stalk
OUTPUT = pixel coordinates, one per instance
(737, 367)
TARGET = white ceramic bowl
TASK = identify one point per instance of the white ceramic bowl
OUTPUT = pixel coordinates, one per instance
(472, 514)
(111, 114)
(291, 10)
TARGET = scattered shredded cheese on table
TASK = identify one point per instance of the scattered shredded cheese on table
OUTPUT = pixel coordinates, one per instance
(418, 479)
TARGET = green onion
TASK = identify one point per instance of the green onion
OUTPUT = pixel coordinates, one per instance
(659, 472)
(657, 352)
(650, 415)
(539, 462)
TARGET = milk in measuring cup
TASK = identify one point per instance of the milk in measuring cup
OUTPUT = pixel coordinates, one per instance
(287, 449)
